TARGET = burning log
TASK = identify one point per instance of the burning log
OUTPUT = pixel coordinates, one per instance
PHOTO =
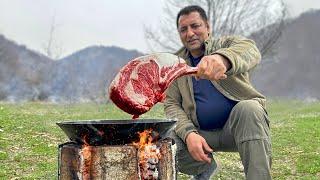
(116, 162)
(149, 155)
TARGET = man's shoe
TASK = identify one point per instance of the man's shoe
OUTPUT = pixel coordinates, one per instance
(210, 172)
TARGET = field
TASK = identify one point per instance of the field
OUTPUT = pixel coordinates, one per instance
(29, 138)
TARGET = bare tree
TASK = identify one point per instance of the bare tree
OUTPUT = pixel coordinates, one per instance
(261, 20)
(52, 48)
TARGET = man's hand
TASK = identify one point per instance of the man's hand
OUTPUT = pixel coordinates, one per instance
(213, 67)
(198, 147)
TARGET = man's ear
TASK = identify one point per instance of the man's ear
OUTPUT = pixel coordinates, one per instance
(208, 26)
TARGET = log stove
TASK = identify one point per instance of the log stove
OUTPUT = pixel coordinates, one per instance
(117, 150)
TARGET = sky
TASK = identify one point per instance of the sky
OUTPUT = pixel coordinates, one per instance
(82, 23)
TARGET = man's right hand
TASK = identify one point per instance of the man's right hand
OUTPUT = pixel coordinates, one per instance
(198, 147)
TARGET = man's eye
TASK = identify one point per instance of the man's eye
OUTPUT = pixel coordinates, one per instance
(182, 30)
(195, 26)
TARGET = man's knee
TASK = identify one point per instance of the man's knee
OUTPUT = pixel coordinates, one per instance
(248, 121)
(249, 108)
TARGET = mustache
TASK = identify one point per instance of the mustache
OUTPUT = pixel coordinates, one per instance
(192, 39)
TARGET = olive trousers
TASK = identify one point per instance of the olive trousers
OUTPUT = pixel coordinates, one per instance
(246, 131)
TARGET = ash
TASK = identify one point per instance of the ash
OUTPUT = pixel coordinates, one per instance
(149, 159)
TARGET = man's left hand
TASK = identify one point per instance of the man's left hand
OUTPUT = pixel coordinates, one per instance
(213, 67)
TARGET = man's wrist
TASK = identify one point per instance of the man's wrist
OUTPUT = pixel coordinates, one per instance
(224, 60)
(196, 132)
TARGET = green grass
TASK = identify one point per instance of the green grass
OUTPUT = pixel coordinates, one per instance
(29, 138)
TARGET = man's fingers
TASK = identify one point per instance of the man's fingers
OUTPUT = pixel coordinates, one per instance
(212, 73)
(201, 152)
(218, 69)
(209, 70)
(204, 157)
(208, 160)
(220, 76)
(223, 76)
(197, 146)
(202, 66)
(199, 155)
(212, 67)
(196, 155)
(206, 147)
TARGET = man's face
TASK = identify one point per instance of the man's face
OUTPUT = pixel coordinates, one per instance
(193, 31)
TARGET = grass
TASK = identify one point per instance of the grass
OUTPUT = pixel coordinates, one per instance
(29, 138)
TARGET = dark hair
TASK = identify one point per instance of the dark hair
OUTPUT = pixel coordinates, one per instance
(189, 9)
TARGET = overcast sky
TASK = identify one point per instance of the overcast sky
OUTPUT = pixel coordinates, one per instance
(82, 23)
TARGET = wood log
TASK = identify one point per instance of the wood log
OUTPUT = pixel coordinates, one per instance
(116, 162)
(101, 162)
(167, 162)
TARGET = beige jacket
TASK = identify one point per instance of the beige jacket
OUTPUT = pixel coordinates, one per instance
(243, 56)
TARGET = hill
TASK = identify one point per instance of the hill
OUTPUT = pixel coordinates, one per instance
(82, 76)
(85, 75)
(22, 71)
(294, 71)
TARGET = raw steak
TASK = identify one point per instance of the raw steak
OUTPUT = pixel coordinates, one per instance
(141, 83)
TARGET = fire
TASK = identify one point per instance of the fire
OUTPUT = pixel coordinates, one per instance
(149, 155)
(86, 159)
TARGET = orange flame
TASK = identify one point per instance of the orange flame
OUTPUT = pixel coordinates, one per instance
(147, 151)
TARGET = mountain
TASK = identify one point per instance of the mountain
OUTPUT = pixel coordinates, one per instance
(294, 71)
(21, 71)
(83, 76)
(86, 74)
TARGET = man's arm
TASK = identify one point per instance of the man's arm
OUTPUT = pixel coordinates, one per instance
(185, 129)
(242, 53)
(173, 110)
(229, 56)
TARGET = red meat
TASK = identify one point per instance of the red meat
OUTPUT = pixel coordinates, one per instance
(141, 83)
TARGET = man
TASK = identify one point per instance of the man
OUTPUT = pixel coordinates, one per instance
(218, 109)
